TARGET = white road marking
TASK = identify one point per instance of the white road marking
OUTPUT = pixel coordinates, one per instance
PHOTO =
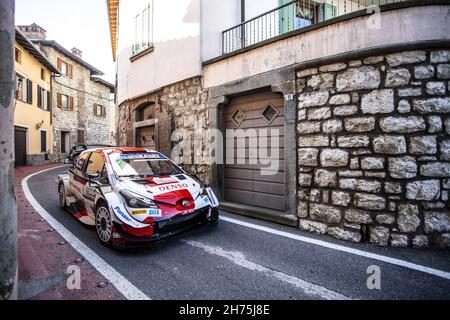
(239, 258)
(126, 288)
(374, 256)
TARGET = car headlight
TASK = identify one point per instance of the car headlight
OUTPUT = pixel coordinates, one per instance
(134, 200)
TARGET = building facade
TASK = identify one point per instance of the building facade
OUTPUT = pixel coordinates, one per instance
(33, 130)
(159, 90)
(353, 100)
(82, 113)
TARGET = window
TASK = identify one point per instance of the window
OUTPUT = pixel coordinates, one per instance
(29, 91)
(270, 113)
(65, 102)
(18, 56)
(42, 98)
(80, 136)
(95, 164)
(49, 100)
(21, 88)
(65, 68)
(238, 117)
(43, 141)
(42, 74)
(143, 34)
(146, 112)
(99, 111)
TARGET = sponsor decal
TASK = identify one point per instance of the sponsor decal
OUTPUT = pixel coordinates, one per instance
(155, 213)
(206, 200)
(139, 212)
(112, 179)
(164, 180)
(173, 187)
(141, 156)
(122, 214)
(121, 163)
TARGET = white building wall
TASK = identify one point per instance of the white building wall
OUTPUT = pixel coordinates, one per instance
(220, 15)
(176, 38)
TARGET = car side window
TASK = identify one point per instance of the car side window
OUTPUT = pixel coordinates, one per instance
(95, 164)
(82, 160)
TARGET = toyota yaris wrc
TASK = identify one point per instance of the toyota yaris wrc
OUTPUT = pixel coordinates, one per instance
(135, 195)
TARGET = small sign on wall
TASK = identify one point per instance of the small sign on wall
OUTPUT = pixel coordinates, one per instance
(289, 97)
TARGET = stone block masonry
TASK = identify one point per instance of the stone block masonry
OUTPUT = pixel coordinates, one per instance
(179, 106)
(374, 149)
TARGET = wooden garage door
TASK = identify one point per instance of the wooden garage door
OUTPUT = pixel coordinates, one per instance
(244, 183)
(20, 146)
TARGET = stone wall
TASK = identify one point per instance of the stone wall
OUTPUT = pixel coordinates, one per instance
(180, 106)
(86, 93)
(374, 149)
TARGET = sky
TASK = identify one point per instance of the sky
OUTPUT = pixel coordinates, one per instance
(73, 23)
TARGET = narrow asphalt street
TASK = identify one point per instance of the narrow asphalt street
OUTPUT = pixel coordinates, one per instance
(244, 258)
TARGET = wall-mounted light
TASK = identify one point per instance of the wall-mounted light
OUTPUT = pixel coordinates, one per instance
(40, 124)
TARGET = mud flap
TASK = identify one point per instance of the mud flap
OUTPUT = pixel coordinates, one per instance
(212, 198)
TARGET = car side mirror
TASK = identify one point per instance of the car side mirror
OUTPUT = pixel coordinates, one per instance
(68, 161)
(93, 176)
(94, 183)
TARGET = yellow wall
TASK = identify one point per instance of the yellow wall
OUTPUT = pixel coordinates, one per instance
(27, 115)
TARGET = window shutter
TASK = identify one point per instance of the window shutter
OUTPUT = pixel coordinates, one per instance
(59, 102)
(49, 100)
(104, 112)
(39, 96)
(95, 110)
(71, 71)
(29, 91)
(72, 103)
(59, 64)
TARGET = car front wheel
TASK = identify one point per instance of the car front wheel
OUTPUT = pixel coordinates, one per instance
(104, 225)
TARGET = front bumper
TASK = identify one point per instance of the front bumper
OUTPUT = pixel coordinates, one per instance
(170, 227)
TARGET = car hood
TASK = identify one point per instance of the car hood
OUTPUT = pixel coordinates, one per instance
(168, 189)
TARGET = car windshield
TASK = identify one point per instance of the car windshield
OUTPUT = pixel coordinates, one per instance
(140, 165)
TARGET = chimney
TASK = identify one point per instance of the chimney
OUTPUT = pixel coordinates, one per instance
(77, 52)
(34, 32)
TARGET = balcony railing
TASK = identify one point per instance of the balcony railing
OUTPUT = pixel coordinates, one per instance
(290, 17)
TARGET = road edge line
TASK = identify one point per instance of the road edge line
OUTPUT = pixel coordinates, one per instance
(125, 287)
(337, 247)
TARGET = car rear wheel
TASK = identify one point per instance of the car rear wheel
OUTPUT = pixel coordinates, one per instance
(104, 225)
(62, 196)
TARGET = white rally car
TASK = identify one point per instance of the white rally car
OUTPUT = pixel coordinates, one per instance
(135, 195)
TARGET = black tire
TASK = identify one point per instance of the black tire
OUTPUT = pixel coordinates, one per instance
(62, 196)
(104, 224)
